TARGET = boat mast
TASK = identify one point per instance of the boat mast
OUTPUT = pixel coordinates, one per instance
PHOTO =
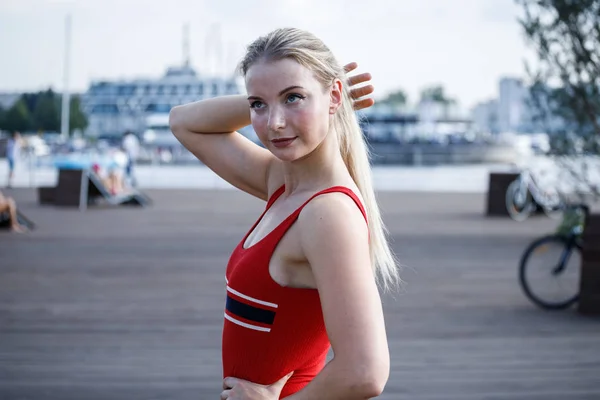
(65, 111)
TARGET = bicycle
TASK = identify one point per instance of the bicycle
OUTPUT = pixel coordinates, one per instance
(563, 290)
(524, 195)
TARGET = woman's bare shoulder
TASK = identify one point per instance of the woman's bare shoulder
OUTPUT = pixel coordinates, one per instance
(333, 219)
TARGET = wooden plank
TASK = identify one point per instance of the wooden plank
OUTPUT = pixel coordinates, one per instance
(127, 303)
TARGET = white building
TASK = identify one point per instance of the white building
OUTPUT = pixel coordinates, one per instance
(509, 113)
(485, 116)
(512, 105)
(113, 107)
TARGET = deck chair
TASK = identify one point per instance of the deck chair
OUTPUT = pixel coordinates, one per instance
(23, 220)
(96, 192)
(82, 187)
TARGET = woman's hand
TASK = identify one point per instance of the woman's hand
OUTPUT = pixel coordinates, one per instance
(357, 92)
(239, 389)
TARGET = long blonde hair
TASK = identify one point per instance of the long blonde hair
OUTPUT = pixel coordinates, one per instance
(311, 52)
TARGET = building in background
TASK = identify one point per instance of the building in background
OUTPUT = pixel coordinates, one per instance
(143, 105)
(113, 107)
(512, 105)
(509, 113)
(485, 117)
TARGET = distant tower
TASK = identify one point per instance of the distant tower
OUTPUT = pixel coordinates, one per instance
(66, 96)
(218, 50)
(213, 50)
(511, 107)
(186, 45)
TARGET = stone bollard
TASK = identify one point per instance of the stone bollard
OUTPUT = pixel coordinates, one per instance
(496, 195)
(589, 292)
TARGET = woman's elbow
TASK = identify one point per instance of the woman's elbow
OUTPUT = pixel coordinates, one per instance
(175, 119)
(370, 380)
(374, 383)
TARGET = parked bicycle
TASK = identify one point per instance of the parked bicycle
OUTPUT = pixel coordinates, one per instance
(549, 271)
(524, 195)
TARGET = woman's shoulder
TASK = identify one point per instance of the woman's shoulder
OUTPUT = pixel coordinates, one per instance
(339, 196)
(337, 200)
(332, 222)
(339, 208)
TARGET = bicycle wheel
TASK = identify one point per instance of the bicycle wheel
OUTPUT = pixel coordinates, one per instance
(549, 272)
(519, 205)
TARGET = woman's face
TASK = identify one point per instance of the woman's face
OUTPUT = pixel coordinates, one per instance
(289, 108)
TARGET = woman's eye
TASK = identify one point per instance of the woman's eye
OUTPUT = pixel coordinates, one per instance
(256, 104)
(292, 98)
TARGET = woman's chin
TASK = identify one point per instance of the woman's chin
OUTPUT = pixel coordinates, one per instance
(293, 154)
(285, 156)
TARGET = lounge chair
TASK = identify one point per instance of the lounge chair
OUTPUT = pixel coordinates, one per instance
(82, 187)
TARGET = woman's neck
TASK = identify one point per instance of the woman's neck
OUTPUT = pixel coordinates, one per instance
(317, 170)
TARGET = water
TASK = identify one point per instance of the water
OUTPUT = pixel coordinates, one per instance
(447, 178)
(465, 178)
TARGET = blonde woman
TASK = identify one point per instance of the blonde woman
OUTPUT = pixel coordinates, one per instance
(303, 279)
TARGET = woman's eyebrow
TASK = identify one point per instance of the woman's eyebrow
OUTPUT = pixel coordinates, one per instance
(280, 93)
(290, 88)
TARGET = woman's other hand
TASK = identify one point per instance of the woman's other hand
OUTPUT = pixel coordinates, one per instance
(239, 389)
(357, 93)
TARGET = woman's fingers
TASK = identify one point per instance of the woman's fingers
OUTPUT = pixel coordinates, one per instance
(350, 67)
(360, 78)
(365, 103)
(361, 91)
(230, 382)
(358, 92)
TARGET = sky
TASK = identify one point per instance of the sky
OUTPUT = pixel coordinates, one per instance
(464, 45)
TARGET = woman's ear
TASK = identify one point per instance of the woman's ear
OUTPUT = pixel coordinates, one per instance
(336, 96)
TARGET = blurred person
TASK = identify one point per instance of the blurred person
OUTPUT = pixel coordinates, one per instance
(13, 147)
(116, 167)
(8, 204)
(131, 146)
(116, 183)
(111, 179)
(304, 277)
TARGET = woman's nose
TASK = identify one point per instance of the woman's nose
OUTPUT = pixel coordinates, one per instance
(276, 119)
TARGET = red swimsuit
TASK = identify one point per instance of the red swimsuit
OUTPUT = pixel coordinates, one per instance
(271, 330)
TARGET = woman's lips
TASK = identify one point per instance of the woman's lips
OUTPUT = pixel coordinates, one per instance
(282, 142)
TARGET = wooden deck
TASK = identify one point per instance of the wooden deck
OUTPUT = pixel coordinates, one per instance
(128, 303)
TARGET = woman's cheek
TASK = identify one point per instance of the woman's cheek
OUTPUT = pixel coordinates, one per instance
(259, 124)
(301, 117)
(311, 119)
